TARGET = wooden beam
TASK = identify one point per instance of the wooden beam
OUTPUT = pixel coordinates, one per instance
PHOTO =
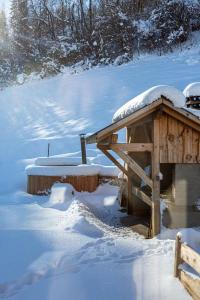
(191, 284)
(191, 257)
(142, 196)
(177, 260)
(155, 177)
(135, 167)
(131, 147)
(113, 160)
(111, 139)
(91, 139)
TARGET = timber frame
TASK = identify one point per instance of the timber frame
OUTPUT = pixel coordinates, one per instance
(154, 147)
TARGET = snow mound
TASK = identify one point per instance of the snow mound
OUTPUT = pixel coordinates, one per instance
(193, 89)
(149, 96)
(61, 196)
(58, 160)
(82, 226)
(80, 170)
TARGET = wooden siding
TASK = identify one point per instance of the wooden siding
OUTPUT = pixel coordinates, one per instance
(41, 184)
(179, 143)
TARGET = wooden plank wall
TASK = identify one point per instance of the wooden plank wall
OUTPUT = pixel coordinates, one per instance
(41, 184)
(179, 143)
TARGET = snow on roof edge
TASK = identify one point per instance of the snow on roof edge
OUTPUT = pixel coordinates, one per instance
(148, 97)
(192, 89)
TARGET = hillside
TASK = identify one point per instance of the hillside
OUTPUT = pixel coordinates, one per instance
(48, 253)
(45, 36)
(57, 110)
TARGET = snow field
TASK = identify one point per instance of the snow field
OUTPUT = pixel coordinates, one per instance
(88, 253)
(76, 249)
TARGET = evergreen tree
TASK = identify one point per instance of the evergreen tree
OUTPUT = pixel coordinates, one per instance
(19, 23)
(3, 27)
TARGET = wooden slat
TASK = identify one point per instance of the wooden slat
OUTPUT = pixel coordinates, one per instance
(163, 138)
(113, 160)
(181, 129)
(191, 257)
(187, 145)
(195, 146)
(142, 196)
(41, 184)
(171, 137)
(191, 285)
(183, 116)
(179, 143)
(132, 147)
(135, 167)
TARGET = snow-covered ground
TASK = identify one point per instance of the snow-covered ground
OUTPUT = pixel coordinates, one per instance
(74, 251)
(78, 250)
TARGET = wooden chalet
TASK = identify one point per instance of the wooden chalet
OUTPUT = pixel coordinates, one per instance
(161, 156)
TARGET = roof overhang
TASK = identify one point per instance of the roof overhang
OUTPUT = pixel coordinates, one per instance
(166, 105)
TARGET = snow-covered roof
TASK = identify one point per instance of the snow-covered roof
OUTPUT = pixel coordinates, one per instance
(192, 89)
(149, 96)
(81, 170)
(195, 112)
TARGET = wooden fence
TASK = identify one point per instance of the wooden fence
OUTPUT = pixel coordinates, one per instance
(185, 254)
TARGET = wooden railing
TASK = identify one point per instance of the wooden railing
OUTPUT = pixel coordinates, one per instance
(185, 254)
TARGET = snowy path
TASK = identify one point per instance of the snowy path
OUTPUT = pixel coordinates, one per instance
(79, 252)
(47, 253)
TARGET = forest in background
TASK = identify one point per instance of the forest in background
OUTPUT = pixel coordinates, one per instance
(43, 36)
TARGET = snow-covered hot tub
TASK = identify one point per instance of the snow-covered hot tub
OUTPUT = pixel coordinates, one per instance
(81, 177)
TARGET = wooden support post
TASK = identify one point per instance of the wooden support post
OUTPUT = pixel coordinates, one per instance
(48, 151)
(129, 200)
(155, 177)
(177, 260)
(83, 148)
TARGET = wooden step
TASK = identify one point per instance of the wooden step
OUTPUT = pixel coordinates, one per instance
(138, 225)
